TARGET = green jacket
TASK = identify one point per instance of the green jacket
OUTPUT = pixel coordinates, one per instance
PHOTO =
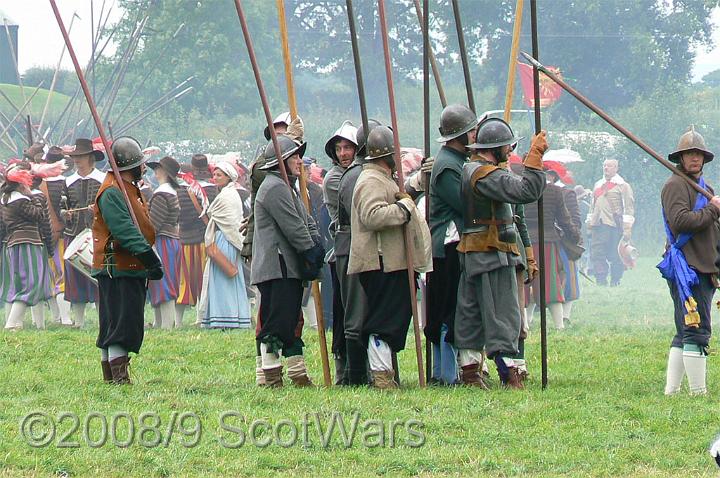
(445, 200)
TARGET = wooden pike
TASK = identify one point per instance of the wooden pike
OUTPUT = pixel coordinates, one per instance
(541, 221)
(292, 100)
(54, 78)
(512, 68)
(463, 55)
(93, 110)
(401, 186)
(423, 17)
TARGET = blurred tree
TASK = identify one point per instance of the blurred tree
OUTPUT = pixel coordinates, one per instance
(712, 79)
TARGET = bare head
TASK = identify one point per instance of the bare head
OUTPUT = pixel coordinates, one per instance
(610, 168)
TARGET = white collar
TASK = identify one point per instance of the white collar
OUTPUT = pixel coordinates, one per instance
(95, 174)
(166, 188)
(16, 196)
(56, 178)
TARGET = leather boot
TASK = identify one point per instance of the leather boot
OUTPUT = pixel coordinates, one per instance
(106, 371)
(470, 376)
(509, 376)
(356, 368)
(297, 372)
(273, 377)
(340, 374)
(384, 379)
(119, 370)
(514, 380)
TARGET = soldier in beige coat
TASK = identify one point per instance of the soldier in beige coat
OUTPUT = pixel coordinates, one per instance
(377, 254)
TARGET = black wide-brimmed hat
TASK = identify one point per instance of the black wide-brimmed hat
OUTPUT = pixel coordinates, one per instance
(170, 165)
(84, 146)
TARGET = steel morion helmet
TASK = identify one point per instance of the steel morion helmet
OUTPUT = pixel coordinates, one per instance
(282, 118)
(380, 143)
(362, 136)
(127, 153)
(288, 147)
(690, 140)
(455, 121)
(347, 131)
(494, 133)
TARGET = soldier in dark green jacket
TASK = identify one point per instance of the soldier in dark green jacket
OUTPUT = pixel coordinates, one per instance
(457, 127)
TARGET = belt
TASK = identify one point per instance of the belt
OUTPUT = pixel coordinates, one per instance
(484, 228)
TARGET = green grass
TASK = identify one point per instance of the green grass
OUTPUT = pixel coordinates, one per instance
(57, 101)
(603, 414)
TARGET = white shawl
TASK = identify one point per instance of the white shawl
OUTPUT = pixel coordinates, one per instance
(226, 214)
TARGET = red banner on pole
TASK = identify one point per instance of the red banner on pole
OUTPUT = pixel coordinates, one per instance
(549, 90)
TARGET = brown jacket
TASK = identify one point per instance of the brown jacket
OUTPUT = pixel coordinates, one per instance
(122, 259)
(376, 223)
(678, 200)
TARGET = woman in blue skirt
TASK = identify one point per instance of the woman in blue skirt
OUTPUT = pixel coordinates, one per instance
(165, 216)
(224, 303)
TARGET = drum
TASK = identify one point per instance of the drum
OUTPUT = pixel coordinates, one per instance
(79, 254)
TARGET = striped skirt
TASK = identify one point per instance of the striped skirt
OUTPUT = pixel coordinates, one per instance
(192, 261)
(57, 268)
(554, 276)
(572, 277)
(30, 281)
(165, 289)
(78, 288)
(5, 275)
(227, 302)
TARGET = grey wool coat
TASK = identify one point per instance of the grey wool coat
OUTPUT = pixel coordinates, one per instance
(282, 226)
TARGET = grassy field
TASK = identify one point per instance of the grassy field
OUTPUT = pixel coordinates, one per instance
(57, 101)
(603, 414)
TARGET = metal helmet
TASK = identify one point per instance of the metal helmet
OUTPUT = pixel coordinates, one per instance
(493, 133)
(362, 137)
(380, 143)
(282, 118)
(690, 140)
(127, 153)
(346, 131)
(288, 147)
(455, 121)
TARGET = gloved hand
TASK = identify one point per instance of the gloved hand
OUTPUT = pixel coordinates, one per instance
(313, 260)
(407, 205)
(153, 266)
(532, 265)
(399, 196)
(537, 148)
(426, 165)
(315, 255)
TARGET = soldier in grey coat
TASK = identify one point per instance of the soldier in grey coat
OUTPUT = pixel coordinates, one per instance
(341, 148)
(488, 315)
(286, 252)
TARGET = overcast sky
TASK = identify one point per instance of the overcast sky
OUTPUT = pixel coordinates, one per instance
(41, 42)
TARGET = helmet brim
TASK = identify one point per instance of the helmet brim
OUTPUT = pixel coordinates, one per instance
(675, 156)
(449, 137)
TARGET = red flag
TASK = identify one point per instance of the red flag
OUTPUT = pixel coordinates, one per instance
(549, 90)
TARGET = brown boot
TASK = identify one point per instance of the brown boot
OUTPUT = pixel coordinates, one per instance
(297, 372)
(119, 370)
(107, 372)
(470, 376)
(273, 377)
(514, 380)
(384, 379)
